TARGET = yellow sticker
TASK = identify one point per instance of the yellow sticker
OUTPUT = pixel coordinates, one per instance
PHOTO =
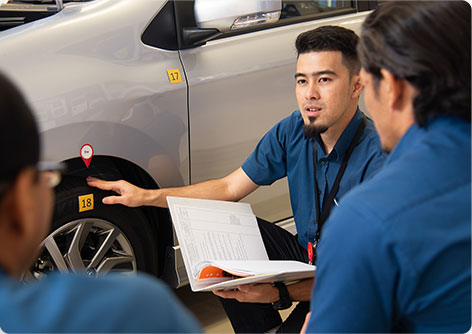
(174, 76)
(86, 202)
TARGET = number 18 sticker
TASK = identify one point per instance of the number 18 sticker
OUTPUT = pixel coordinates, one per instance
(86, 202)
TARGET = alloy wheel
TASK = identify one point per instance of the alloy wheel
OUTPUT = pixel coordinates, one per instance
(90, 245)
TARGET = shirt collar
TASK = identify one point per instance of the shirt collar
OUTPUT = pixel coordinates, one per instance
(415, 133)
(404, 143)
(344, 140)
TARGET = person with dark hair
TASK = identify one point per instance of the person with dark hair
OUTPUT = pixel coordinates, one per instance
(395, 256)
(315, 142)
(60, 302)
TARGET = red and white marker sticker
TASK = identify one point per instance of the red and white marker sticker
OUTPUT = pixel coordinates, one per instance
(86, 152)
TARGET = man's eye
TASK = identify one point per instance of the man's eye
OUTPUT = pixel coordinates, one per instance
(324, 80)
(301, 81)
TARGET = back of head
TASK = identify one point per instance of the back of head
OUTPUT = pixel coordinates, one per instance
(19, 138)
(331, 38)
(427, 43)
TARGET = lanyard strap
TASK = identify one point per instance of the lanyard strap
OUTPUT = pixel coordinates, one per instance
(322, 216)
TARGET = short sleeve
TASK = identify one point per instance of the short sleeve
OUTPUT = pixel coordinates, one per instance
(267, 163)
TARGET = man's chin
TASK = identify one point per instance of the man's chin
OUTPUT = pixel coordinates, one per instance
(311, 130)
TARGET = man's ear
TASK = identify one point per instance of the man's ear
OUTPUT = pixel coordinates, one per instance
(398, 96)
(394, 89)
(357, 86)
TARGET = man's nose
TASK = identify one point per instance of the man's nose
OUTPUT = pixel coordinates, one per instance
(312, 92)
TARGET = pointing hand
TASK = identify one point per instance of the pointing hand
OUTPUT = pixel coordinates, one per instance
(130, 195)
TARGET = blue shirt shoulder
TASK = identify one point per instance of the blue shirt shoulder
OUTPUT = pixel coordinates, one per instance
(396, 252)
(76, 303)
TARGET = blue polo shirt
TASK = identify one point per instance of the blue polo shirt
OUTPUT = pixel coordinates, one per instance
(284, 151)
(395, 256)
(70, 303)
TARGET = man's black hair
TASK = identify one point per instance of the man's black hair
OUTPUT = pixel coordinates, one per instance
(331, 38)
(427, 43)
(19, 137)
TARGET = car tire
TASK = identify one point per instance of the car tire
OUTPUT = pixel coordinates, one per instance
(89, 236)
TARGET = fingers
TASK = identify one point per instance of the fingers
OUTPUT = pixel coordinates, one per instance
(305, 324)
(232, 294)
(248, 293)
(246, 288)
(112, 200)
(100, 184)
(227, 293)
(130, 195)
(107, 185)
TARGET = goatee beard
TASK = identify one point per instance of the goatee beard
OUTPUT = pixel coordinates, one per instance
(311, 130)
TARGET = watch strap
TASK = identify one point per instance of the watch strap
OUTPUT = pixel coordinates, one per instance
(284, 301)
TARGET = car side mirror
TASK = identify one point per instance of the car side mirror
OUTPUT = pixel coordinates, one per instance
(59, 4)
(227, 15)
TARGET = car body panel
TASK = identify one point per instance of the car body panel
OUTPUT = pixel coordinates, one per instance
(118, 97)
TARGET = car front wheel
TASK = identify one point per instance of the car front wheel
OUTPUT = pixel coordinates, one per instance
(88, 236)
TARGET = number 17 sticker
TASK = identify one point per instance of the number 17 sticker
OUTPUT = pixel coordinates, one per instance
(174, 76)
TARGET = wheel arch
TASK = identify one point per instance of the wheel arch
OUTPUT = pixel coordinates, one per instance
(161, 153)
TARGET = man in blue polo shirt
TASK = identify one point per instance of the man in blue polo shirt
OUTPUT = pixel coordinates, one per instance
(330, 127)
(395, 256)
(61, 303)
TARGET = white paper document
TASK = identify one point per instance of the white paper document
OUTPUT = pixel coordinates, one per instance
(223, 248)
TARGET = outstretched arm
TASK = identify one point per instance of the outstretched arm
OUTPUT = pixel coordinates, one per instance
(232, 187)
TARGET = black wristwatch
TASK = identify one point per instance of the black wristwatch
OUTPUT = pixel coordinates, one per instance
(284, 301)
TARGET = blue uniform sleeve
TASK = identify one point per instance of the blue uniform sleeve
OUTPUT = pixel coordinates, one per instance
(164, 312)
(150, 306)
(267, 163)
(355, 275)
(109, 304)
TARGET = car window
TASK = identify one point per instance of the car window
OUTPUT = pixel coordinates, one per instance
(14, 13)
(297, 8)
(295, 11)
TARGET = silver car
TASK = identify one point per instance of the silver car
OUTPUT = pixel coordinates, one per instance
(167, 93)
